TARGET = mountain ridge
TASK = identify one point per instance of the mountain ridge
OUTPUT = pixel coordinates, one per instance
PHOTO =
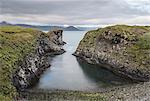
(42, 27)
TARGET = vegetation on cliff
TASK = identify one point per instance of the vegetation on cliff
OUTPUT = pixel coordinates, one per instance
(125, 47)
(15, 43)
(128, 32)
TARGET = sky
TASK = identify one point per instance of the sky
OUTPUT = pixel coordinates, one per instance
(76, 12)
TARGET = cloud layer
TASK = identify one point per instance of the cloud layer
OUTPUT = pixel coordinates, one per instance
(76, 12)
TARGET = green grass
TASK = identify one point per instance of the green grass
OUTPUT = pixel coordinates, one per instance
(144, 41)
(89, 39)
(15, 43)
(140, 51)
(129, 32)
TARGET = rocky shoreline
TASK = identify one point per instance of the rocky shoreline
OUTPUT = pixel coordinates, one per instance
(125, 50)
(132, 92)
(34, 64)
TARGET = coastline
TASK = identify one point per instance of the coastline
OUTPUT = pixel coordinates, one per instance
(122, 49)
(132, 92)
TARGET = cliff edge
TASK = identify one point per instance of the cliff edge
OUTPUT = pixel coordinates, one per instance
(23, 57)
(123, 49)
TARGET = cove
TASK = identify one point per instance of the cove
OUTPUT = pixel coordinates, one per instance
(69, 74)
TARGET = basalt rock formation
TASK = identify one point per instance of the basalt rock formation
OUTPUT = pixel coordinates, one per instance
(55, 42)
(125, 50)
(36, 62)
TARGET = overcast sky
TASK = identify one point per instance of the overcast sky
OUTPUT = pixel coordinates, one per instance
(76, 12)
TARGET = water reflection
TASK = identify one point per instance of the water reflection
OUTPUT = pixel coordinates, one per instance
(101, 75)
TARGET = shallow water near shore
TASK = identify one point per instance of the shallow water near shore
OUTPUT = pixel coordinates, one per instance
(69, 74)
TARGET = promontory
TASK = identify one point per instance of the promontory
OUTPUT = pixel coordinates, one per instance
(123, 49)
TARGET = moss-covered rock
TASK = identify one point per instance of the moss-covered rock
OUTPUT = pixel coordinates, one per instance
(15, 43)
(23, 57)
(123, 49)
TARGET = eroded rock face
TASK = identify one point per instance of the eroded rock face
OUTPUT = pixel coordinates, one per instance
(52, 43)
(56, 37)
(122, 49)
(34, 64)
(29, 71)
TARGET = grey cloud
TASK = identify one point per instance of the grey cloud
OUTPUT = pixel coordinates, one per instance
(74, 10)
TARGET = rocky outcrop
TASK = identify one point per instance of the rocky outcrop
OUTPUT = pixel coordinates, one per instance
(51, 43)
(56, 38)
(122, 49)
(36, 62)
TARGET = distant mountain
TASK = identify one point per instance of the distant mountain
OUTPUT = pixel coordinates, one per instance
(45, 28)
(4, 23)
(71, 28)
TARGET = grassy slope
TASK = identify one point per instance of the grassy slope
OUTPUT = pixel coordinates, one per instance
(139, 52)
(15, 42)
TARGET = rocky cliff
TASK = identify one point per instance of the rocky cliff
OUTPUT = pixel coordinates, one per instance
(35, 63)
(23, 57)
(122, 49)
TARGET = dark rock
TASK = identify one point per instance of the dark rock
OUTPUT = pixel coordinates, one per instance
(34, 64)
(29, 71)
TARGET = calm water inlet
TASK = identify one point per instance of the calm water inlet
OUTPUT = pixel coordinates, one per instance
(69, 74)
